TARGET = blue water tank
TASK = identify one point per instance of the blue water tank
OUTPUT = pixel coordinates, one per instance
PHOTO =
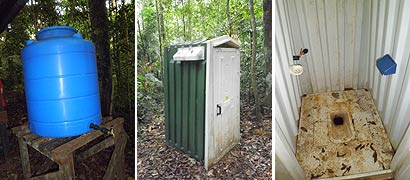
(61, 83)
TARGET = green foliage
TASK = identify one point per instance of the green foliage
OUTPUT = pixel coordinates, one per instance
(122, 35)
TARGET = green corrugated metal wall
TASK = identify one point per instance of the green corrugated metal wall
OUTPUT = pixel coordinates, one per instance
(184, 87)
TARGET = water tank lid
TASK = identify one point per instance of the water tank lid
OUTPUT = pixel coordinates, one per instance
(55, 31)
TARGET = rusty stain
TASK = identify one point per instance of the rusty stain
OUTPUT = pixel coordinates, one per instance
(317, 176)
(330, 171)
(343, 166)
(371, 122)
(321, 157)
(371, 146)
(340, 155)
(357, 147)
(375, 156)
(347, 170)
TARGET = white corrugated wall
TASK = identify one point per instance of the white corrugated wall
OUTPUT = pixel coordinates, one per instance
(344, 38)
(287, 101)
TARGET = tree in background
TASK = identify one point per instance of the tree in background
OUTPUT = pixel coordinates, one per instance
(99, 35)
(253, 68)
(267, 26)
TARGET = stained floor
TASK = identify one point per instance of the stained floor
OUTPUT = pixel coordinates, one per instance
(341, 133)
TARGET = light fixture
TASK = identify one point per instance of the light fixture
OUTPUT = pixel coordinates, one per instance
(296, 68)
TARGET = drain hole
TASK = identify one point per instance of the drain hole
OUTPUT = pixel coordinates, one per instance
(338, 120)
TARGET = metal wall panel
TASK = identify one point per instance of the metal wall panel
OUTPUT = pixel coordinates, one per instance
(334, 33)
(184, 87)
(392, 93)
(287, 96)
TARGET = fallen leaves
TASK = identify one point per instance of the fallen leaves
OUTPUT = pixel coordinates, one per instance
(251, 158)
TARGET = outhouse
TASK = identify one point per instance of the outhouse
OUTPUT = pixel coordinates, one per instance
(201, 86)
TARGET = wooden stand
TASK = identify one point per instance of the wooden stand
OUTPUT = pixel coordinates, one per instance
(4, 138)
(61, 150)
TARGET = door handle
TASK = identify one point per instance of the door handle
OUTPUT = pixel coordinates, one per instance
(219, 110)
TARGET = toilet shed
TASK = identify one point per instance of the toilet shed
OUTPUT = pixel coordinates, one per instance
(201, 86)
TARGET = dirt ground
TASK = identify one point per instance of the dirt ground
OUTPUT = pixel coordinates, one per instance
(91, 168)
(250, 159)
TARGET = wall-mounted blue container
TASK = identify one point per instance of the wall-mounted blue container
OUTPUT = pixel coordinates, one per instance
(386, 65)
(61, 83)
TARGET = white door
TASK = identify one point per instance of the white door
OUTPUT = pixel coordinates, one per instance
(226, 99)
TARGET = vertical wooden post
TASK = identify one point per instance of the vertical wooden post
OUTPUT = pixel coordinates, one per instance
(116, 164)
(66, 164)
(25, 161)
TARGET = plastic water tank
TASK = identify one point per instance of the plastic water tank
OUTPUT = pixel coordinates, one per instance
(61, 83)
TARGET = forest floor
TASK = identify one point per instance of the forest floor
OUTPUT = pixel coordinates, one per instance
(91, 168)
(250, 159)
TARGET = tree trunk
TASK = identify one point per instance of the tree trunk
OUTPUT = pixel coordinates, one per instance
(253, 62)
(99, 35)
(161, 9)
(267, 26)
(159, 35)
(183, 21)
(228, 19)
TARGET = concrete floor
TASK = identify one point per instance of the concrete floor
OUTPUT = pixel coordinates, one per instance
(341, 133)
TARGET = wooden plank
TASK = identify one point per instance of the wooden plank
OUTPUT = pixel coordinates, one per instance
(20, 131)
(35, 143)
(47, 163)
(25, 161)
(116, 164)
(46, 147)
(66, 165)
(50, 176)
(84, 139)
(96, 148)
(30, 137)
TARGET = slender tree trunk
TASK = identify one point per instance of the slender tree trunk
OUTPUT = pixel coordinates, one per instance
(228, 19)
(159, 36)
(99, 35)
(162, 26)
(267, 26)
(161, 7)
(253, 62)
(130, 100)
(183, 21)
(142, 41)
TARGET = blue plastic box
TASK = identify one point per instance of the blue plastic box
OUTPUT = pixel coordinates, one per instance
(386, 65)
